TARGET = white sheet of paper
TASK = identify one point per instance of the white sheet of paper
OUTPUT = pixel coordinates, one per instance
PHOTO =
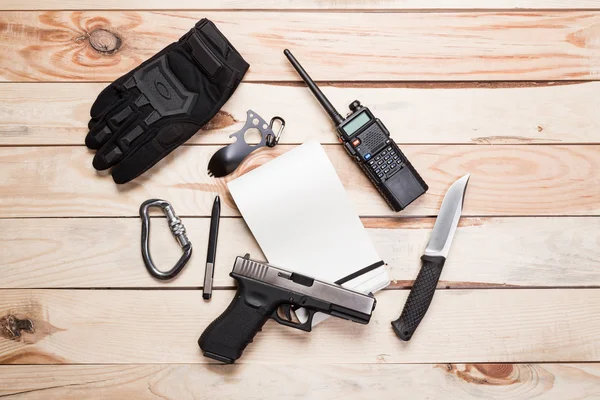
(301, 217)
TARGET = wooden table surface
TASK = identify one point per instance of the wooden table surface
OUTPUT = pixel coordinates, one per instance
(504, 89)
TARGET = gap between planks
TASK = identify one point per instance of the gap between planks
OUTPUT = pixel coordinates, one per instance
(515, 180)
(315, 10)
(104, 252)
(310, 5)
(57, 113)
(529, 45)
(94, 327)
(418, 381)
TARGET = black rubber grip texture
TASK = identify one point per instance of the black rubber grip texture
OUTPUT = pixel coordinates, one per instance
(420, 297)
(227, 336)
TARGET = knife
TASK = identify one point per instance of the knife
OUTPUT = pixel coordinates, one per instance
(432, 261)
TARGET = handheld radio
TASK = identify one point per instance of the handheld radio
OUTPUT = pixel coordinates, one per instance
(368, 142)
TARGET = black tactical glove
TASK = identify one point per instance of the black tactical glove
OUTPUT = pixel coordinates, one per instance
(147, 113)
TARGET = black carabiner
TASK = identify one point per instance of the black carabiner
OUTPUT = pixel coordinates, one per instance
(178, 231)
(272, 140)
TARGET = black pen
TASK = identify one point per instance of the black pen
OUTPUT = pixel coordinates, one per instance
(211, 253)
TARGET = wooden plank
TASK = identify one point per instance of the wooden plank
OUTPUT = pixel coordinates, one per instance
(55, 45)
(163, 326)
(487, 252)
(58, 113)
(348, 381)
(506, 180)
(295, 5)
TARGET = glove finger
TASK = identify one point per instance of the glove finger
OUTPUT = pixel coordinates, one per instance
(109, 156)
(136, 164)
(124, 124)
(97, 136)
(113, 122)
(108, 110)
(141, 159)
(110, 95)
(113, 152)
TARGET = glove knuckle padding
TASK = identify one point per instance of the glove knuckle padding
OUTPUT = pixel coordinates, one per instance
(163, 91)
(150, 111)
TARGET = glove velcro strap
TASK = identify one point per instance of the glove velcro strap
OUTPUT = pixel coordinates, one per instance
(211, 51)
(203, 56)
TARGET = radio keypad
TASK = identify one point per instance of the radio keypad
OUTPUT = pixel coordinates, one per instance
(386, 163)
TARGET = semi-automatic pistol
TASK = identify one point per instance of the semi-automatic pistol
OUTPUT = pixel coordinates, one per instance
(265, 291)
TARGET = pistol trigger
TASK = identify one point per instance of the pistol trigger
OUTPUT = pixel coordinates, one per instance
(287, 311)
(292, 322)
(306, 325)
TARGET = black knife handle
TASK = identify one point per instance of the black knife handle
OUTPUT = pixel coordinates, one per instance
(419, 297)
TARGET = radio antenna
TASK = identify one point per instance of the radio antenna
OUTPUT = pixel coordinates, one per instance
(333, 114)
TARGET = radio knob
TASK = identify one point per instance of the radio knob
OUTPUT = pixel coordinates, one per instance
(355, 105)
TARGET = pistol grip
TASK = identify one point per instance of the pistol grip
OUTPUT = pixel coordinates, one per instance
(227, 336)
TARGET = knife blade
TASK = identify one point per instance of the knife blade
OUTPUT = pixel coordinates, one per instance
(432, 261)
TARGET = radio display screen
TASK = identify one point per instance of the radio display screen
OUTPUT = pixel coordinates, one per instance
(357, 122)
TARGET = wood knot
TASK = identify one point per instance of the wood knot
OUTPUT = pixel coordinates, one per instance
(11, 327)
(496, 371)
(104, 42)
(484, 374)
